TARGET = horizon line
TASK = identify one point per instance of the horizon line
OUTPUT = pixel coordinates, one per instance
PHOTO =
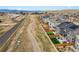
(44, 8)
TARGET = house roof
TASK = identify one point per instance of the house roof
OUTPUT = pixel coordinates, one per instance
(68, 26)
(74, 27)
(46, 16)
(65, 24)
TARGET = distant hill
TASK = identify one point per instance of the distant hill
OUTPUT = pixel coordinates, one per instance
(15, 11)
(18, 11)
(63, 11)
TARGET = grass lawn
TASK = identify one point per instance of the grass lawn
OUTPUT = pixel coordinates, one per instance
(50, 33)
(55, 41)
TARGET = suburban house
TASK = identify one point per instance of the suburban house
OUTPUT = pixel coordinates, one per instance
(70, 31)
(45, 18)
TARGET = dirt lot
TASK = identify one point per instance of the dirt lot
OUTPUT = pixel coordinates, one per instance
(33, 38)
(5, 24)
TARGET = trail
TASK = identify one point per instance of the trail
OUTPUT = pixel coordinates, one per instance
(30, 30)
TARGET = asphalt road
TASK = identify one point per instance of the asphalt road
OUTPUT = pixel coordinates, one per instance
(8, 34)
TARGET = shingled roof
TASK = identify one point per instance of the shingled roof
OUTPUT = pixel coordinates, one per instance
(68, 26)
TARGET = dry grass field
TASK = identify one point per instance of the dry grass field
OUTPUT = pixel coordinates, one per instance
(33, 37)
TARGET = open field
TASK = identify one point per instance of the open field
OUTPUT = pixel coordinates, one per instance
(32, 37)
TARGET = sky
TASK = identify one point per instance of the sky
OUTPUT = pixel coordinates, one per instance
(39, 7)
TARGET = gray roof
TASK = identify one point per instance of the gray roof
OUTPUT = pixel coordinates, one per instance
(68, 26)
(45, 16)
(65, 24)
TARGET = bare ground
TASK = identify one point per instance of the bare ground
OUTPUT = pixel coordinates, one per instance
(33, 38)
